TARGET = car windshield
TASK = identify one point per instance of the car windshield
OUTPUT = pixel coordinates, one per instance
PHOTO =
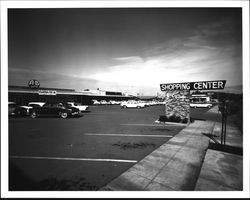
(77, 104)
(46, 105)
(53, 105)
(35, 105)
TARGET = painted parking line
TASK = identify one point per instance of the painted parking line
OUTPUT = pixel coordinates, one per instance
(126, 135)
(75, 159)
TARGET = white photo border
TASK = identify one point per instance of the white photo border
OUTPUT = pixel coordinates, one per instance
(118, 4)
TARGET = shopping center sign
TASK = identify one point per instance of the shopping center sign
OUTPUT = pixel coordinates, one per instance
(201, 85)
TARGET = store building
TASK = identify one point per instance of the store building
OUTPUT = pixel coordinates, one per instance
(22, 95)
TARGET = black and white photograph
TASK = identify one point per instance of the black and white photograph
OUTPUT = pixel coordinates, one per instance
(106, 97)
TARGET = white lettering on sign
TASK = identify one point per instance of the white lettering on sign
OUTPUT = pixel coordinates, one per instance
(201, 85)
(220, 84)
(178, 86)
(47, 92)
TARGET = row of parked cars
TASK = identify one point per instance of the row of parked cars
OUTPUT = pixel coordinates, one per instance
(139, 104)
(129, 103)
(104, 102)
(36, 109)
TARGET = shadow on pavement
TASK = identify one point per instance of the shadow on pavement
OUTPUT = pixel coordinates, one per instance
(18, 180)
(226, 148)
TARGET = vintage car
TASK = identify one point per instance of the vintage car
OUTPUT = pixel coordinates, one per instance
(200, 102)
(132, 104)
(112, 102)
(201, 105)
(36, 104)
(54, 109)
(82, 108)
(95, 102)
(103, 102)
(11, 108)
(22, 111)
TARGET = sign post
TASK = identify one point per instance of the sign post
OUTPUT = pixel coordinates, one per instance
(224, 109)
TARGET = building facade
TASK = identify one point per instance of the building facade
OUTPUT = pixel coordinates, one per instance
(22, 95)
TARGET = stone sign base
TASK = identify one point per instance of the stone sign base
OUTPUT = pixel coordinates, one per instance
(177, 107)
(173, 118)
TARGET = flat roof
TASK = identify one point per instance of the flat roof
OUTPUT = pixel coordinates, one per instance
(23, 89)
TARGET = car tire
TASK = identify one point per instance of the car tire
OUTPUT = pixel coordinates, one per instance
(33, 115)
(64, 115)
(124, 106)
(138, 106)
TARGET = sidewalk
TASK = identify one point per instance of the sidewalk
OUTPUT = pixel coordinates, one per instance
(178, 164)
(174, 166)
(221, 170)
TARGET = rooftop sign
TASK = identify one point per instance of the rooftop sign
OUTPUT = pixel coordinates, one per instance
(47, 92)
(201, 85)
(34, 84)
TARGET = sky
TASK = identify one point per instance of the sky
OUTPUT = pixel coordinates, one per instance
(131, 50)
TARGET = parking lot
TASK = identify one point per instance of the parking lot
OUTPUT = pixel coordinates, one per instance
(86, 152)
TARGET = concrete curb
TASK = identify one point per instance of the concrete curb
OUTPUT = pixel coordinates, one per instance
(174, 166)
(171, 123)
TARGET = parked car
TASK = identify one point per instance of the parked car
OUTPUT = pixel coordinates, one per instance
(132, 104)
(95, 102)
(114, 102)
(201, 105)
(103, 102)
(36, 104)
(56, 109)
(145, 103)
(82, 108)
(200, 102)
(22, 111)
(11, 108)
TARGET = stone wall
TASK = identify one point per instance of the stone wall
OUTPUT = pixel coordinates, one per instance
(177, 107)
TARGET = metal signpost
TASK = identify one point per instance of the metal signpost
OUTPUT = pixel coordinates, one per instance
(224, 109)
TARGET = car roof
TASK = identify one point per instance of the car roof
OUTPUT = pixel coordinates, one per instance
(36, 102)
(25, 106)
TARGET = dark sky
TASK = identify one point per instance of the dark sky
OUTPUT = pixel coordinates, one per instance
(129, 50)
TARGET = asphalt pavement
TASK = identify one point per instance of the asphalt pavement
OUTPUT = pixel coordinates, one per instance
(82, 153)
(186, 162)
(107, 149)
